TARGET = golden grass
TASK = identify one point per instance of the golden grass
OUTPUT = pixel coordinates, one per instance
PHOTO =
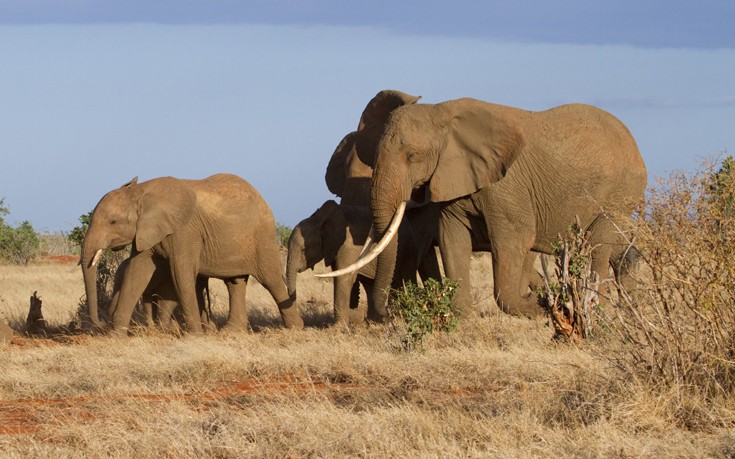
(497, 387)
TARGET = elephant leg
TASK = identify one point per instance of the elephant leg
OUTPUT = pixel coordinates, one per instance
(509, 258)
(205, 313)
(137, 275)
(165, 312)
(429, 266)
(271, 278)
(532, 280)
(238, 317)
(344, 289)
(147, 305)
(184, 280)
(455, 246)
(358, 313)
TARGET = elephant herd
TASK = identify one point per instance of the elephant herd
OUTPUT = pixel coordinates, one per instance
(461, 176)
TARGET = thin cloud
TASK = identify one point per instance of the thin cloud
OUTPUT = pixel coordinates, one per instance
(654, 23)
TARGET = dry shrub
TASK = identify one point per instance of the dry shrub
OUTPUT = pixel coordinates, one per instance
(572, 295)
(675, 331)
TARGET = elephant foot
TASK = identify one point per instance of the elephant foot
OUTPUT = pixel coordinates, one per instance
(375, 317)
(294, 324)
(231, 328)
(526, 306)
(120, 332)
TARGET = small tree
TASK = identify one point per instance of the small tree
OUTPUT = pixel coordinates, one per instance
(77, 234)
(18, 245)
(573, 295)
(283, 233)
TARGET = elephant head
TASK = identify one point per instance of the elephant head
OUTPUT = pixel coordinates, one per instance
(436, 153)
(316, 238)
(139, 214)
(350, 168)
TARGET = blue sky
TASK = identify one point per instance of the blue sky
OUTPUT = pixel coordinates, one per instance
(93, 93)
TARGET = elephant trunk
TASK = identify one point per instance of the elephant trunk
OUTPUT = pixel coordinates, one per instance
(89, 257)
(389, 193)
(296, 261)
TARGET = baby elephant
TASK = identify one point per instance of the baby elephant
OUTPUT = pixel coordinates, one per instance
(336, 234)
(159, 298)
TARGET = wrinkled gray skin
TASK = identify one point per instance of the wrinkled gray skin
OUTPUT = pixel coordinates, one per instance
(216, 227)
(159, 298)
(336, 233)
(509, 178)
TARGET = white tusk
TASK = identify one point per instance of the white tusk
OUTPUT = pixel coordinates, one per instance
(368, 242)
(96, 258)
(375, 251)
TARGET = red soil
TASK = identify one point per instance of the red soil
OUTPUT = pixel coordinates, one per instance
(62, 259)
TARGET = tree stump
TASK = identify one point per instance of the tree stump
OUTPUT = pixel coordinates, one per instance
(35, 323)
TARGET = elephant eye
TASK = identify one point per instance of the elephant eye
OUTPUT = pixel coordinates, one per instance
(113, 222)
(414, 157)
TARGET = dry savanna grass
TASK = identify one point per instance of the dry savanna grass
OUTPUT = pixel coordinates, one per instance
(655, 378)
(496, 387)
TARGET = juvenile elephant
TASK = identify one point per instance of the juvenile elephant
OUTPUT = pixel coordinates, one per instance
(336, 234)
(159, 298)
(215, 227)
(509, 178)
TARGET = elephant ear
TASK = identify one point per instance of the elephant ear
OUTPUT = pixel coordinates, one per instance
(333, 230)
(376, 112)
(166, 204)
(482, 142)
(373, 119)
(336, 176)
(354, 157)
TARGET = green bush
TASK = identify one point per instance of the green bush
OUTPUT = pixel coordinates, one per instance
(418, 311)
(283, 233)
(18, 245)
(77, 233)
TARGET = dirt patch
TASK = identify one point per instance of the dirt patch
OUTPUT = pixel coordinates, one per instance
(61, 259)
(22, 417)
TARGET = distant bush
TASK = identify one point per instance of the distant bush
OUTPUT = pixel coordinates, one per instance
(76, 236)
(19, 244)
(418, 311)
(283, 233)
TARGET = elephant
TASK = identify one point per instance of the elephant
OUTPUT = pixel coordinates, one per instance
(159, 298)
(214, 227)
(336, 233)
(350, 172)
(509, 178)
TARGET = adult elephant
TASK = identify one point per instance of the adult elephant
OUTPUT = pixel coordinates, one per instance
(349, 175)
(215, 227)
(511, 178)
(336, 233)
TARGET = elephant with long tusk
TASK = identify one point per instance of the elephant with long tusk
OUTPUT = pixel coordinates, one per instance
(510, 179)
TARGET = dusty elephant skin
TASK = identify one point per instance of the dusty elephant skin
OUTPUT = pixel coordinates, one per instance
(216, 227)
(336, 233)
(509, 178)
